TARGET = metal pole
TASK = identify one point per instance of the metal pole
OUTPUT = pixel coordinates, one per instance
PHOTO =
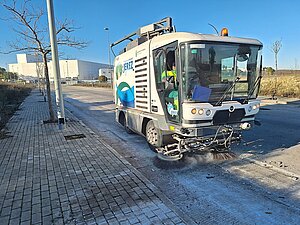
(55, 63)
(67, 68)
(109, 61)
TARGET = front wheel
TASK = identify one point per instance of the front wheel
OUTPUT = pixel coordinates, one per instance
(153, 136)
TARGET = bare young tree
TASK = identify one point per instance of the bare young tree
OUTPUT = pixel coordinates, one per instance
(33, 36)
(276, 46)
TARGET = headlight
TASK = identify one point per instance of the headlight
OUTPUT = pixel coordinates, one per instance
(208, 112)
(201, 111)
(254, 107)
(194, 111)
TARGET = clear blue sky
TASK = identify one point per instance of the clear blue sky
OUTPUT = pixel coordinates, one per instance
(266, 20)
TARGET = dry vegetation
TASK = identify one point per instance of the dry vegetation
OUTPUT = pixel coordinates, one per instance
(96, 84)
(271, 85)
(281, 86)
(11, 96)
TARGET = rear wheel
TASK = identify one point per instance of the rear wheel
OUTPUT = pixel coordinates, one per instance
(153, 135)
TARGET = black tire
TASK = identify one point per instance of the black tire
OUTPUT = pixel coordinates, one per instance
(127, 129)
(153, 136)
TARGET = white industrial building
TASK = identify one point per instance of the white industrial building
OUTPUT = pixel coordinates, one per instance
(107, 72)
(32, 66)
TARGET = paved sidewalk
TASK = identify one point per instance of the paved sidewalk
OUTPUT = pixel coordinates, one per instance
(46, 179)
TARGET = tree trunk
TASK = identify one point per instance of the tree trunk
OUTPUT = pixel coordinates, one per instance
(276, 61)
(46, 72)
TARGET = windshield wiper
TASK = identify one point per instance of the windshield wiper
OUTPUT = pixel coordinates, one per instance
(229, 89)
(256, 83)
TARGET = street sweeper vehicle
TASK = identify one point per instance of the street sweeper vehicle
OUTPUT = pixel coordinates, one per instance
(186, 92)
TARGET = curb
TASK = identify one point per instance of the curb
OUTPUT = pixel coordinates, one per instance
(284, 172)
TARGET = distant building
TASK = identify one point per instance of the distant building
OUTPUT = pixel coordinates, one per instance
(32, 66)
(107, 72)
(26, 58)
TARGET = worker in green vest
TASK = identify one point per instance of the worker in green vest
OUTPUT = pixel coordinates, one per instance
(174, 95)
(170, 77)
(170, 73)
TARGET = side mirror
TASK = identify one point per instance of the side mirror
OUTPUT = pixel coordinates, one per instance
(242, 57)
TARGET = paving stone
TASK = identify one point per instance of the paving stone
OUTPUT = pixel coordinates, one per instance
(7, 203)
(46, 210)
(25, 215)
(36, 218)
(5, 211)
(15, 213)
(14, 221)
(5, 219)
(28, 222)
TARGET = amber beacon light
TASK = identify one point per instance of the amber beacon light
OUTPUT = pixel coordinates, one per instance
(224, 32)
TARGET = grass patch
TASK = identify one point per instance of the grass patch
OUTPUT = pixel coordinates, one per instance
(281, 86)
(11, 96)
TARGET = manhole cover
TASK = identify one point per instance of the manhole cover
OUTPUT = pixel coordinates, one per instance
(74, 136)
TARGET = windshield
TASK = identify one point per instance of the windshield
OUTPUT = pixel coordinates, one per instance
(215, 71)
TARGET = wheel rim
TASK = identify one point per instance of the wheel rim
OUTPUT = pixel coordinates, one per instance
(152, 136)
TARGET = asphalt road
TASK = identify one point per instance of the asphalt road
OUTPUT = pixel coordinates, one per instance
(208, 191)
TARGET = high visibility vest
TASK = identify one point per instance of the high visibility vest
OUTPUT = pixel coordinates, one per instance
(169, 74)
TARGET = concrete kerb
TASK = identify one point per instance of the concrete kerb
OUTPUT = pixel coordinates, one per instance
(265, 100)
(250, 159)
(148, 183)
(272, 167)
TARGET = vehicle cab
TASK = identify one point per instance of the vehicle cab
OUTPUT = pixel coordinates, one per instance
(217, 79)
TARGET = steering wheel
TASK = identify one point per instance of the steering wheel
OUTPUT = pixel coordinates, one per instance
(193, 76)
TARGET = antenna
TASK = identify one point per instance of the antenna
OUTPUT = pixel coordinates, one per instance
(214, 28)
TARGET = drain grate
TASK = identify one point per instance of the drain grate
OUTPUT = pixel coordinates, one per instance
(49, 121)
(74, 136)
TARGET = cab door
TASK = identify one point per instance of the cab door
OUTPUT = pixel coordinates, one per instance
(165, 68)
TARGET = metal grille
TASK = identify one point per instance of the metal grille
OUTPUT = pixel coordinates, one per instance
(225, 117)
(141, 84)
(74, 136)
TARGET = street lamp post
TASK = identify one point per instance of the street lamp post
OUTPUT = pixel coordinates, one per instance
(108, 45)
(55, 62)
(67, 68)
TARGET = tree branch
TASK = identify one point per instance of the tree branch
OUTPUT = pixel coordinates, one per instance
(19, 50)
(24, 20)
